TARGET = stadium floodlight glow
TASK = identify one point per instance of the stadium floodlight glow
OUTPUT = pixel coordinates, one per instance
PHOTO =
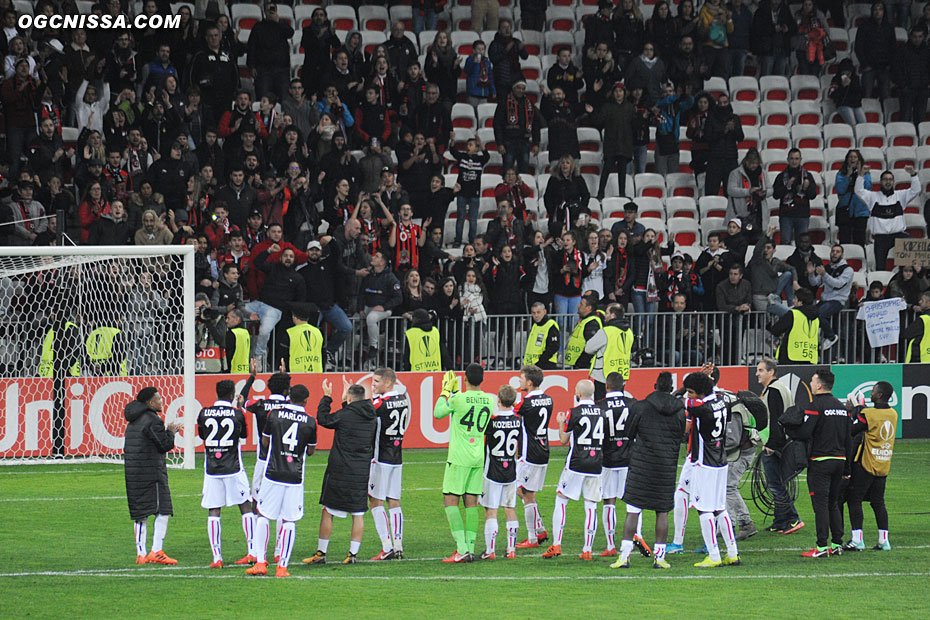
(82, 330)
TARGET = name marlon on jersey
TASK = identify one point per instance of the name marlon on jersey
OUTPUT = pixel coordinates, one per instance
(293, 416)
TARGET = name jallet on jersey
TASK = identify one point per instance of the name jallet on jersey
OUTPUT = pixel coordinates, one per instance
(617, 445)
(393, 417)
(535, 411)
(501, 437)
(221, 426)
(585, 426)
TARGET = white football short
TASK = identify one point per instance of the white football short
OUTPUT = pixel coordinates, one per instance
(220, 491)
(684, 478)
(613, 482)
(279, 501)
(499, 494)
(257, 475)
(531, 476)
(708, 488)
(341, 514)
(384, 481)
(574, 485)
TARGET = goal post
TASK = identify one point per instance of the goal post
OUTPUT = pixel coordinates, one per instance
(82, 330)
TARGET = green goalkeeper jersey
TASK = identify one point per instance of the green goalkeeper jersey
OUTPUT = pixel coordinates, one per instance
(471, 412)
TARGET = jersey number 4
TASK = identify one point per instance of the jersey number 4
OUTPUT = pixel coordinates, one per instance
(484, 416)
(506, 445)
(591, 431)
(618, 425)
(290, 437)
(228, 424)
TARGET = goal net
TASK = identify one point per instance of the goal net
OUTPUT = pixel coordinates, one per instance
(82, 330)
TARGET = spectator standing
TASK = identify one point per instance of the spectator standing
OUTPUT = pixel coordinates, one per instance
(214, 71)
(153, 231)
(836, 278)
(485, 15)
(600, 74)
(629, 32)
(668, 110)
(738, 40)
(772, 29)
(401, 50)
(426, 15)
(647, 71)
(598, 27)
(617, 118)
(479, 75)
(319, 40)
(852, 214)
(662, 31)
(716, 25)
(29, 216)
(734, 296)
(704, 103)
(567, 273)
(270, 53)
(516, 127)
(561, 116)
(505, 53)
(688, 20)
(875, 48)
(566, 194)
(566, 76)
(723, 132)
(443, 67)
(886, 210)
(713, 266)
(810, 39)
(911, 72)
(471, 162)
(794, 188)
(20, 95)
(747, 189)
(687, 68)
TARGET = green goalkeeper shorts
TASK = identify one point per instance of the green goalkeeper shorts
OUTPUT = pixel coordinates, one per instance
(459, 480)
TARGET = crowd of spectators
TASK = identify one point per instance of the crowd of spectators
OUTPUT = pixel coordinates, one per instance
(326, 184)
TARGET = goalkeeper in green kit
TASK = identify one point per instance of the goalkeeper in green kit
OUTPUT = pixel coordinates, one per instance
(471, 412)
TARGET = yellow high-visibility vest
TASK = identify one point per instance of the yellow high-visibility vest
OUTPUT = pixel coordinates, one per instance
(306, 346)
(576, 341)
(239, 365)
(802, 339)
(618, 352)
(923, 345)
(47, 361)
(536, 343)
(423, 345)
(99, 346)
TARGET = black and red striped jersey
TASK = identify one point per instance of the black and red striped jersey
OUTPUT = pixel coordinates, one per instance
(501, 439)
(221, 426)
(290, 431)
(407, 252)
(706, 444)
(393, 416)
(535, 412)
(585, 428)
(617, 444)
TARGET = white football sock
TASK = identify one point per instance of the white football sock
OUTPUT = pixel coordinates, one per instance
(397, 520)
(857, 536)
(277, 538)
(141, 529)
(382, 526)
(354, 546)
(709, 532)
(513, 528)
(882, 536)
(262, 532)
(248, 528)
(610, 523)
(287, 543)
(161, 528)
(681, 516)
(626, 548)
(659, 550)
(725, 526)
(491, 528)
(639, 525)
(590, 524)
(540, 526)
(215, 535)
(558, 519)
(530, 514)
(323, 545)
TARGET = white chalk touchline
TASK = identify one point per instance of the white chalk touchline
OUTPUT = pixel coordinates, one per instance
(651, 576)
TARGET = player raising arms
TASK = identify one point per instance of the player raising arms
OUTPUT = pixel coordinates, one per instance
(225, 482)
(500, 473)
(470, 413)
(583, 429)
(289, 434)
(708, 413)
(384, 478)
(534, 411)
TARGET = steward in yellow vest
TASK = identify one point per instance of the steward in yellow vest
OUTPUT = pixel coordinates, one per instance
(542, 344)
(879, 425)
(917, 333)
(589, 325)
(69, 344)
(424, 350)
(303, 342)
(238, 344)
(106, 352)
(799, 330)
(613, 344)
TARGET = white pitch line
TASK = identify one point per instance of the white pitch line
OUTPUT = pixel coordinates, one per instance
(719, 574)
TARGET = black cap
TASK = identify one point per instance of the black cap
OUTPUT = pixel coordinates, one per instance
(25, 184)
(181, 215)
(255, 213)
(631, 206)
(303, 311)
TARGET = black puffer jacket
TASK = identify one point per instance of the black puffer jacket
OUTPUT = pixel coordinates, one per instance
(658, 423)
(345, 483)
(147, 441)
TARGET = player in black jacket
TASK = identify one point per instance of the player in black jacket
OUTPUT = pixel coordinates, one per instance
(289, 434)
(829, 428)
(392, 409)
(535, 411)
(225, 482)
(709, 415)
(500, 473)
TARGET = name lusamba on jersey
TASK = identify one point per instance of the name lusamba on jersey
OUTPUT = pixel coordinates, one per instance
(393, 411)
(260, 409)
(708, 428)
(585, 427)
(617, 444)
(535, 412)
(221, 427)
(500, 447)
(290, 431)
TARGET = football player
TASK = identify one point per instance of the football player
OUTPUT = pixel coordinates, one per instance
(535, 411)
(500, 473)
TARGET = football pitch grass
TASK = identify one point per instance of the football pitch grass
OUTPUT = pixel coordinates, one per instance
(68, 551)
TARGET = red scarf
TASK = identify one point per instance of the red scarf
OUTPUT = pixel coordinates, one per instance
(513, 113)
(49, 110)
(576, 258)
(28, 224)
(622, 264)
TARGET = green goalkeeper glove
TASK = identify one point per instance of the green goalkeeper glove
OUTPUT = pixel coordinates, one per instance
(450, 383)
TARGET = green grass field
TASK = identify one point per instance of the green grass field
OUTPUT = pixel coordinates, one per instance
(67, 545)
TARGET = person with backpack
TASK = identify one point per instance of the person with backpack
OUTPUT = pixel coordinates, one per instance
(747, 429)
